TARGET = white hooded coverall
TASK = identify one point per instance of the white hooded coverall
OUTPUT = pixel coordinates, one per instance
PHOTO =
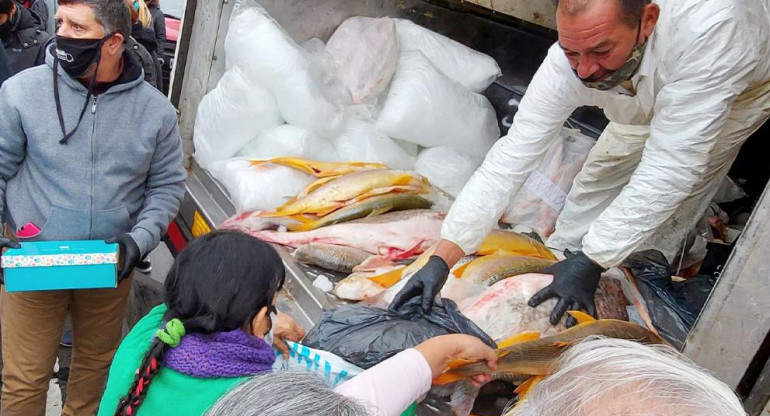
(702, 88)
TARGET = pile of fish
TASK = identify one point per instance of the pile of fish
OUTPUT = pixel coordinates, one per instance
(375, 227)
(347, 191)
(502, 255)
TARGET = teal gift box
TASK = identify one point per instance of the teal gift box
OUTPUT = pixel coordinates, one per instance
(58, 265)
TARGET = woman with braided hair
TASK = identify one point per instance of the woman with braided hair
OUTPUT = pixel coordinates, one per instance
(217, 325)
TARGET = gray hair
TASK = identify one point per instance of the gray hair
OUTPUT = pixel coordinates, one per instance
(284, 393)
(113, 15)
(610, 376)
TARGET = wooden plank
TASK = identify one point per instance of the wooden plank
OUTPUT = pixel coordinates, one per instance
(539, 12)
(199, 58)
(735, 321)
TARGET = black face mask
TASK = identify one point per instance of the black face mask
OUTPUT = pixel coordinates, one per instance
(77, 55)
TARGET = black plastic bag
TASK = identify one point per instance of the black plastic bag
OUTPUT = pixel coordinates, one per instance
(673, 306)
(365, 335)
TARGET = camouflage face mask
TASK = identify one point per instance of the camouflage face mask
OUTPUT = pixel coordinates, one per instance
(622, 74)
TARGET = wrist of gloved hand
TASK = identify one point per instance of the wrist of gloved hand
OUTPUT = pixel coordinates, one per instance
(129, 255)
(426, 284)
(575, 280)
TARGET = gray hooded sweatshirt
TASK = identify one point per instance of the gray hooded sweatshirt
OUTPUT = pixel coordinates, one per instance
(121, 172)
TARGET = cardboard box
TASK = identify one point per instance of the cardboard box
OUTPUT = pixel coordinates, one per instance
(59, 265)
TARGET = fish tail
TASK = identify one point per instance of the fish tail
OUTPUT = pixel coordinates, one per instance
(581, 317)
(527, 386)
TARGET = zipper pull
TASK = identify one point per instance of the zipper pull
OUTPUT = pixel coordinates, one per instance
(93, 107)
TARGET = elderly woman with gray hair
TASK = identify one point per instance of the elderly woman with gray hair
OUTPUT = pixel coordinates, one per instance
(603, 377)
(598, 377)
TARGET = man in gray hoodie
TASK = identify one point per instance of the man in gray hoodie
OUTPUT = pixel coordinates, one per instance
(88, 150)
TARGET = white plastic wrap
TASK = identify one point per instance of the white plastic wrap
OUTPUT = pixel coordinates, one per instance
(256, 42)
(446, 168)
(473, 69)
(541, 199)
(426, 107)
(361, 142)
(288, 140)
(258, 188)
(233, 113)
(364, 51)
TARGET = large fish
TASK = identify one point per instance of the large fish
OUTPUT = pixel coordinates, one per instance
(373, 206)
(396, 235)
(514, 243)
(491, 269)
(357, 286)
(331, 257)
(536, 357)
(502, 310)
(354, 187)
(320, 169)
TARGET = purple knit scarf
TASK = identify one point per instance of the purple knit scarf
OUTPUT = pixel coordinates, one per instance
(223, 354)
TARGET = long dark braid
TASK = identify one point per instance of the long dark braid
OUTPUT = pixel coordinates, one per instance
(128, 405)
(243, 272)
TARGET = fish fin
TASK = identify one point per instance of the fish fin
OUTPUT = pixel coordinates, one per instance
(256, 162)
(493, 251)
(315, 185)
(458, 271)
(518, 339)
(459, 362)
(581, 317)
(446, 378)
(401, 254)
(303, 218)
(562, 344)
(379, 211)
(328, 210)
(388, 279)
(309, 226)
(527, 386)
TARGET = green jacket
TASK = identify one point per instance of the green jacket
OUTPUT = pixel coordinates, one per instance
(170, 393)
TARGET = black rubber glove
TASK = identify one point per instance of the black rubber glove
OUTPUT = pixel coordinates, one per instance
(4, 244)
(129, 253)
(427, 282)
(575, 280)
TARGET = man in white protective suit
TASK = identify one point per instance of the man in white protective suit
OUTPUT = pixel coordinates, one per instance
(683, 82)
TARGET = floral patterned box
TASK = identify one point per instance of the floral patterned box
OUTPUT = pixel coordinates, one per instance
(57, 265)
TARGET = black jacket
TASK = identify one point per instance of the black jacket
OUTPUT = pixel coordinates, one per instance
(159, 26)
(147, 61)
(39, 7)
(145, 36)
(5, 70)
(25, 46)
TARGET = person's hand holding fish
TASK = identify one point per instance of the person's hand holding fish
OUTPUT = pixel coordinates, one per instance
(442, 350)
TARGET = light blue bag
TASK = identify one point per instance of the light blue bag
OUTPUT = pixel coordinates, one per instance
(333, 369)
